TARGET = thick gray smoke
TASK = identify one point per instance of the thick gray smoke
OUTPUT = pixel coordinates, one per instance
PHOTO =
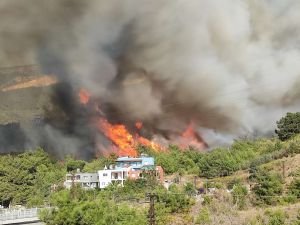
(231, 66)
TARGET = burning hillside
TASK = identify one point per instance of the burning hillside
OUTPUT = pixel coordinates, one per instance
(191, 72)
(124, 142)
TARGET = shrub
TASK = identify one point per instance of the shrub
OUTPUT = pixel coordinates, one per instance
(233, 182)
(203, 217)
(294, 188)
(297, 220)
(207, 200)
(268, 187)
(239, 194)
(277, 217)
(189, 189)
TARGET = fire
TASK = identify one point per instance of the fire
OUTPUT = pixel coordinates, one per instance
(84, 96)
(120, 136)
(152, 144)
(123, 142)
(189, 132)
(191, 138)
(139, 125)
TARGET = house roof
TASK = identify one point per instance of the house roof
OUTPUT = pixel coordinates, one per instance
(126, 159)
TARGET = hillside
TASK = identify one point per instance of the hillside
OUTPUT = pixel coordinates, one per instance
(254, 190)
(24, 93)
(21, 97)
(23, 105)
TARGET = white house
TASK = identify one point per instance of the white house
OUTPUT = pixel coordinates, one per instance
(125, 168)
(112, 176)
(85, 180)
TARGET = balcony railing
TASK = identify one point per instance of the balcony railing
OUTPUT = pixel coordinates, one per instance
(14, 214)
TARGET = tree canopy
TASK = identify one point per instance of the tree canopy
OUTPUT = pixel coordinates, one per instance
(27, 178)
(288, 126)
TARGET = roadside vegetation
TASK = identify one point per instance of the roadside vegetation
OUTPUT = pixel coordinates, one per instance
(252, 182)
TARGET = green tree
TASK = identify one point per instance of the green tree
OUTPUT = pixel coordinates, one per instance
(174, 199)
(73, 165)
(27, 178)
(288, 126)
(99, 164)
(83, 209)
(268, 187)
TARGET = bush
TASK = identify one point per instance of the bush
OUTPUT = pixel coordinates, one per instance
(294, 146)
(88, 211)
(207, 200)
(175, 160)
(233, 182)
(294, 188)
(174, 199)
(297, 220)
(276, 217)
(203, 217)
(239, 194)
(268, 187)
(189, 189)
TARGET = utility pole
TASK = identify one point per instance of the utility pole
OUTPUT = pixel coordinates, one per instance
(151, 213)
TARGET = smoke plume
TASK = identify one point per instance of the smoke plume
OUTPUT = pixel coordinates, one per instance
(231, 66)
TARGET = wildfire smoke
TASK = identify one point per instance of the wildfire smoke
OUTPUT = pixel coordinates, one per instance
(231, 67)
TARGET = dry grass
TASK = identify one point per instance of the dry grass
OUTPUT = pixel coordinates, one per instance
(41, 81)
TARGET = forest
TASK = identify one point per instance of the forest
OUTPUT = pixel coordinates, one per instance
(35, 179)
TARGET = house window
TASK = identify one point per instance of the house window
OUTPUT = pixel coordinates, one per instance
(105, 174)
(103, 183)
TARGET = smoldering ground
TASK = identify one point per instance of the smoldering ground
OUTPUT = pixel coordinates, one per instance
(231, 66)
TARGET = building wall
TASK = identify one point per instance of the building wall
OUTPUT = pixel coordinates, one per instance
(104, 178)
(160, 174)
(85, 180)
(117, 174)
(134, 162)
(132, 174)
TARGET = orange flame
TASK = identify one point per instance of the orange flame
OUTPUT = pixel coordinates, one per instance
(152, 144)
(124, 142)
(189, 132)
(139, 125)
(191, 137)
(120, 136)
(84, 96)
